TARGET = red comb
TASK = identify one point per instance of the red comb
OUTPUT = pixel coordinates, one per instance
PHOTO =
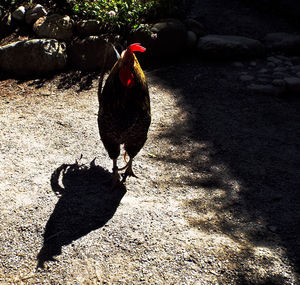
(136, 47)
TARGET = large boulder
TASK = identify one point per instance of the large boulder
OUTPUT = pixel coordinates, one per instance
(33, 57)
(35, 13)
(55, 27)
(19, 14)
(229, 47)
(88, 54)
(166, 38)
(85, 28)
(195, 26)
(283, 42)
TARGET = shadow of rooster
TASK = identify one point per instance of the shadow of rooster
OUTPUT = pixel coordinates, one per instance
(86, 203)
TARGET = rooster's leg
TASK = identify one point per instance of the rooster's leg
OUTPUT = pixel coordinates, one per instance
(129, 171)
(115, 175)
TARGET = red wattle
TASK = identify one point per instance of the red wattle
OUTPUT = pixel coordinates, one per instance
(126, 77)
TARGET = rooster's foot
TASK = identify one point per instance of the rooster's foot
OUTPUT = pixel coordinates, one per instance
(128, 172)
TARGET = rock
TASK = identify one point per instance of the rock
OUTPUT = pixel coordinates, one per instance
(191, 39)
(263, 70)
(280, 69)
(278, 74)
(265, 75)
(238, 64)
(229, 47)
(272, 228)
(195, 27)
(263, 79)
(145, 37)
(271, 64)
(54, 26)
(266, 89)
(88, 54)
(19, 14)
(33, 57)
(246, 78)
(274, 60)
(282, 57)
(279, 82)
(167, 38)
(171, 37)
(85, 28)
(283, 42)
(293, 84)
(295, 68)
(35, 13)
(288, 63)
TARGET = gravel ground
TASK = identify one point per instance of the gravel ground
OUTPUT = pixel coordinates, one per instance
(217, 198)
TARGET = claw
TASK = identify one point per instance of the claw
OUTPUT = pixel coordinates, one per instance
(129, 171)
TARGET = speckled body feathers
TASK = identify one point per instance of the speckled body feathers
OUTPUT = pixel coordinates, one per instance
(124, 113)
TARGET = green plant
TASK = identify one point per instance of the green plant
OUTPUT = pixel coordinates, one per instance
(121, 16)
(116, 15)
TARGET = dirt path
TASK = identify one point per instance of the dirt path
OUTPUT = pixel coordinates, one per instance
(216, 201)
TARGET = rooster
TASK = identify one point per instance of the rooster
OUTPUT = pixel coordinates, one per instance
(124, 110)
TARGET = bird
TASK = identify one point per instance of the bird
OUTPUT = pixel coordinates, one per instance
(124, 113)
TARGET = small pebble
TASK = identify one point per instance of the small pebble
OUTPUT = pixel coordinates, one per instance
(263, 79)
(288, 63)
(272, 228)
(295, 68)
(238, 64)
(278, 74)
(279, 82)
(280, 68)
(244, 73)
(271, 64)
(274, 59)
(265, 89)
(282, 57)
(246, 77)
(263, 70)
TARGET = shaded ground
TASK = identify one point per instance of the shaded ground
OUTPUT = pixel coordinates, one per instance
(245, 17)
(216, 202)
